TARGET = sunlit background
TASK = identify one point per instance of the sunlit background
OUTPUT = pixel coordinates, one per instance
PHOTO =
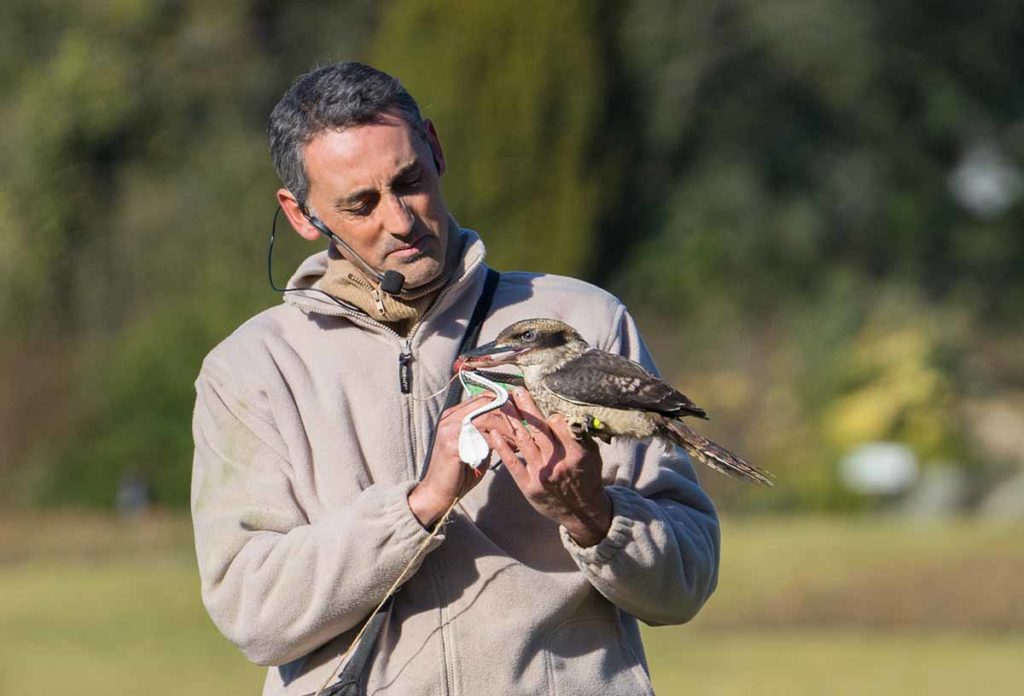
(813, 208)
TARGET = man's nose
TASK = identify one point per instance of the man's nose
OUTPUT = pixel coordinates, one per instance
(398, 219)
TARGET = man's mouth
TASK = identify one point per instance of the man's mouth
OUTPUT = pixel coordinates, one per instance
(417, 247)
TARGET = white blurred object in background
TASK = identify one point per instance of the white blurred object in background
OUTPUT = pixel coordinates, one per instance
(985, 182)
(879, 468)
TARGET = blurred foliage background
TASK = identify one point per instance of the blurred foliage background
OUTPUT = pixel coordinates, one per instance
(813, 208)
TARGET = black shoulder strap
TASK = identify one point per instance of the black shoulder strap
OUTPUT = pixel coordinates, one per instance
(476, 320)
(480, 312)
(349, 681)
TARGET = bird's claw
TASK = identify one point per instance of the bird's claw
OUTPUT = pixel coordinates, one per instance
(580, 428)
(587, 426)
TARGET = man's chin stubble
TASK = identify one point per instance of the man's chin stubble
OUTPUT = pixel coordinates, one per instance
(428, 276)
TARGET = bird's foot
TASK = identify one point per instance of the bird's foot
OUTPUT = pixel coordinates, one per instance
(580, 426)
(587, 426)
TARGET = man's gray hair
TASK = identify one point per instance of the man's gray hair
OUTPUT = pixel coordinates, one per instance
(332, 98)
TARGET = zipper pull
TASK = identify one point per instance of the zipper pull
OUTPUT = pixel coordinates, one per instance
(405, 369)
(375, 293)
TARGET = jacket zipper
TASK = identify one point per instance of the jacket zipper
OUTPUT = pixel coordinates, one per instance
(378, 299)
(405, 385)
(405, 359)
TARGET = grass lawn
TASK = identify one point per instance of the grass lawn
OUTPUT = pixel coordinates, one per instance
(85, 628)
(804, 607)
(836, 662)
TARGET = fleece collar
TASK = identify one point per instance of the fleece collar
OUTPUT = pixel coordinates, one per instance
(344, 280)
(311, 273)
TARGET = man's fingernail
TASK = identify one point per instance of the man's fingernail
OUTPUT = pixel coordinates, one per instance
(520, 392)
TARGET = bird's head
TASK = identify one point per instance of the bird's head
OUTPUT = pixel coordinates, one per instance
(527, 342)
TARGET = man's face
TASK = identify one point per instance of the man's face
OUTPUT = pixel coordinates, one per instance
(378, 188)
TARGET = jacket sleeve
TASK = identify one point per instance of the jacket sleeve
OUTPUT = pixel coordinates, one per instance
(276, 584)
(659, 560)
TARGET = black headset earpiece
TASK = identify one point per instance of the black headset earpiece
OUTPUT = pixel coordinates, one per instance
(319, 225)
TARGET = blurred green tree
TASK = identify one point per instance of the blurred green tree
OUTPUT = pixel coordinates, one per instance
(517, 93)
(136, 210)
(753, 178)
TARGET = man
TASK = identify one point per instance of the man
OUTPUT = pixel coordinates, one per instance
(313, 486)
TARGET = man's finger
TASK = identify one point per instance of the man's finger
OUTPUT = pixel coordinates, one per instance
(528, 447)
(531, 412)
(495, 421)
(510, 410)
(522, 435)
(560, 427)
(461, 409)
(508, 457)
(563, 431)
(568, 440)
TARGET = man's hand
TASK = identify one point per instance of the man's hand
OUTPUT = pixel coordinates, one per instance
(447, 476)
(559, 475)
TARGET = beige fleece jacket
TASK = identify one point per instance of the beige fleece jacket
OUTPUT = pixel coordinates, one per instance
(306, 449)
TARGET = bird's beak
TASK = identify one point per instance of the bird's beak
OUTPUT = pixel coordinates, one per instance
(488, 354)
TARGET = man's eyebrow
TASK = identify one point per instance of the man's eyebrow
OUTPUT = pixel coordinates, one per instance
(407, 170)
(353, 199)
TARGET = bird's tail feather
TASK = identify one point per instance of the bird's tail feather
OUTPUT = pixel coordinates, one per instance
(711, 454)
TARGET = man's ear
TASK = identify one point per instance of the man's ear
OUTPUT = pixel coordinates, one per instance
(435, 146)
(293, 211)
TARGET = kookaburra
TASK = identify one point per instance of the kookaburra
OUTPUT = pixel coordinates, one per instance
(602, 394)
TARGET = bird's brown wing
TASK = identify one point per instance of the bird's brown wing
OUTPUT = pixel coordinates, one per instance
(606, 379)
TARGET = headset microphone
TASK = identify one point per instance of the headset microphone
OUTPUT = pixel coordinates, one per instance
(390, 282)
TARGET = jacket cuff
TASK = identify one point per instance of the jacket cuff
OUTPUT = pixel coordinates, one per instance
(620, 533)
(394, 507)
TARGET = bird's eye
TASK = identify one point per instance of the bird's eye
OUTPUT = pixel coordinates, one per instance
(529, 335)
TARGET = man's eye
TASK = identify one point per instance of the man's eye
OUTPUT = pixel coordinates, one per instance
(362, 211)
(410, 183)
